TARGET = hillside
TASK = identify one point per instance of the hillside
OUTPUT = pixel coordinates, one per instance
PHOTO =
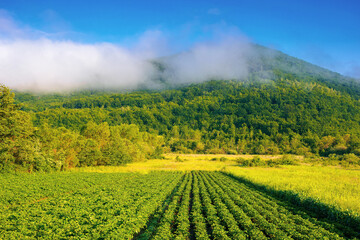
(283, 65)
(285, 105)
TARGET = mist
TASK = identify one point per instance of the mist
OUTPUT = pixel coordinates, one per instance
(50, 66)
(36, 62)
(222, 59)
(53, 66)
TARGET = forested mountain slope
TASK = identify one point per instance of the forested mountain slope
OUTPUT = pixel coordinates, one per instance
(270, 61)
(285, 105)
(284, 116)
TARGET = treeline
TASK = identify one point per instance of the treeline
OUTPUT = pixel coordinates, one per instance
(282, 116)
(26, 147)
(273, 117)
(285, 106)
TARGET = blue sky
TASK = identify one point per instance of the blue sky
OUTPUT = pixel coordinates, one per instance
(326, 33)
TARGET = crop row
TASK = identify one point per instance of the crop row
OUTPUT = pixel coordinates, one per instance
(28, 188)
(293, 220)
(117, 208)
(158, 205)
(212, 205)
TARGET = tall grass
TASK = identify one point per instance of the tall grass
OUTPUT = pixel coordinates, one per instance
(170, 164)
(334, 186)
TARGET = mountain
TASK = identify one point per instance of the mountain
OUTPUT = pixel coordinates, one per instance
(285, 105)
(273, 61)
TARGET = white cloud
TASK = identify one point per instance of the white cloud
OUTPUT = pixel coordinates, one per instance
(32, 60)
(223, 59)
(46, 65)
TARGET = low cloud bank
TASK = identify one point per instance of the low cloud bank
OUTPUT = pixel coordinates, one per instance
(51, 66)
(226, 59)
(32, 61)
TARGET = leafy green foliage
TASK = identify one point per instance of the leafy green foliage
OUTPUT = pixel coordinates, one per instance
(157, 205)
(257, 162)
(16, 133)
(112, 206)
(48, 148)
(282, 116)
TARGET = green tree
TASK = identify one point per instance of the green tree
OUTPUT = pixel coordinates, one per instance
(16, 131)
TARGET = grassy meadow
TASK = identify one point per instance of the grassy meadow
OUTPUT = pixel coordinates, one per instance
(331, 185)
(178, 162)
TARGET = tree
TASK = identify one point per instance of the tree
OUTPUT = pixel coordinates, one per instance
(16, 130)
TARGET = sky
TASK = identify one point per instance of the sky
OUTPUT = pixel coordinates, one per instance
(326, 33)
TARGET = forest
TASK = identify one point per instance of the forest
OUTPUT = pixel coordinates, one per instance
(284, 106)
(288, 115)
(24, 145)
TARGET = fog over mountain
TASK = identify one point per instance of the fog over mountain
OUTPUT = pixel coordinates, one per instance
(41, 62)
(31, 60)
(45, 65)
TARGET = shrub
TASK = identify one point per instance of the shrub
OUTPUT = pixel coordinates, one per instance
(255, 162)
(178, 159)
(272, 163)
(240, 160)
(231, 152)
(350, 159)
(287, 160)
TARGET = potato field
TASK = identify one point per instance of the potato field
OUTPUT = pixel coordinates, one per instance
(157, 205)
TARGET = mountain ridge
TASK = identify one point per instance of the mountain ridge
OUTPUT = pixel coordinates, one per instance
(263, 64)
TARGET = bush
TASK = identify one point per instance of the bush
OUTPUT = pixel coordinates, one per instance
(272, 163)
(240, 160)
(231, 152)
(255, 162)
(157, 154)
(178, 159)
(287, 160)
(350, 159)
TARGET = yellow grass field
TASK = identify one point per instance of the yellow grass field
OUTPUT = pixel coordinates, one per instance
(187, 162)
(336, 186)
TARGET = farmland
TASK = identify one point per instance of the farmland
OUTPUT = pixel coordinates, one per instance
(332, 185)
(155, 205)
